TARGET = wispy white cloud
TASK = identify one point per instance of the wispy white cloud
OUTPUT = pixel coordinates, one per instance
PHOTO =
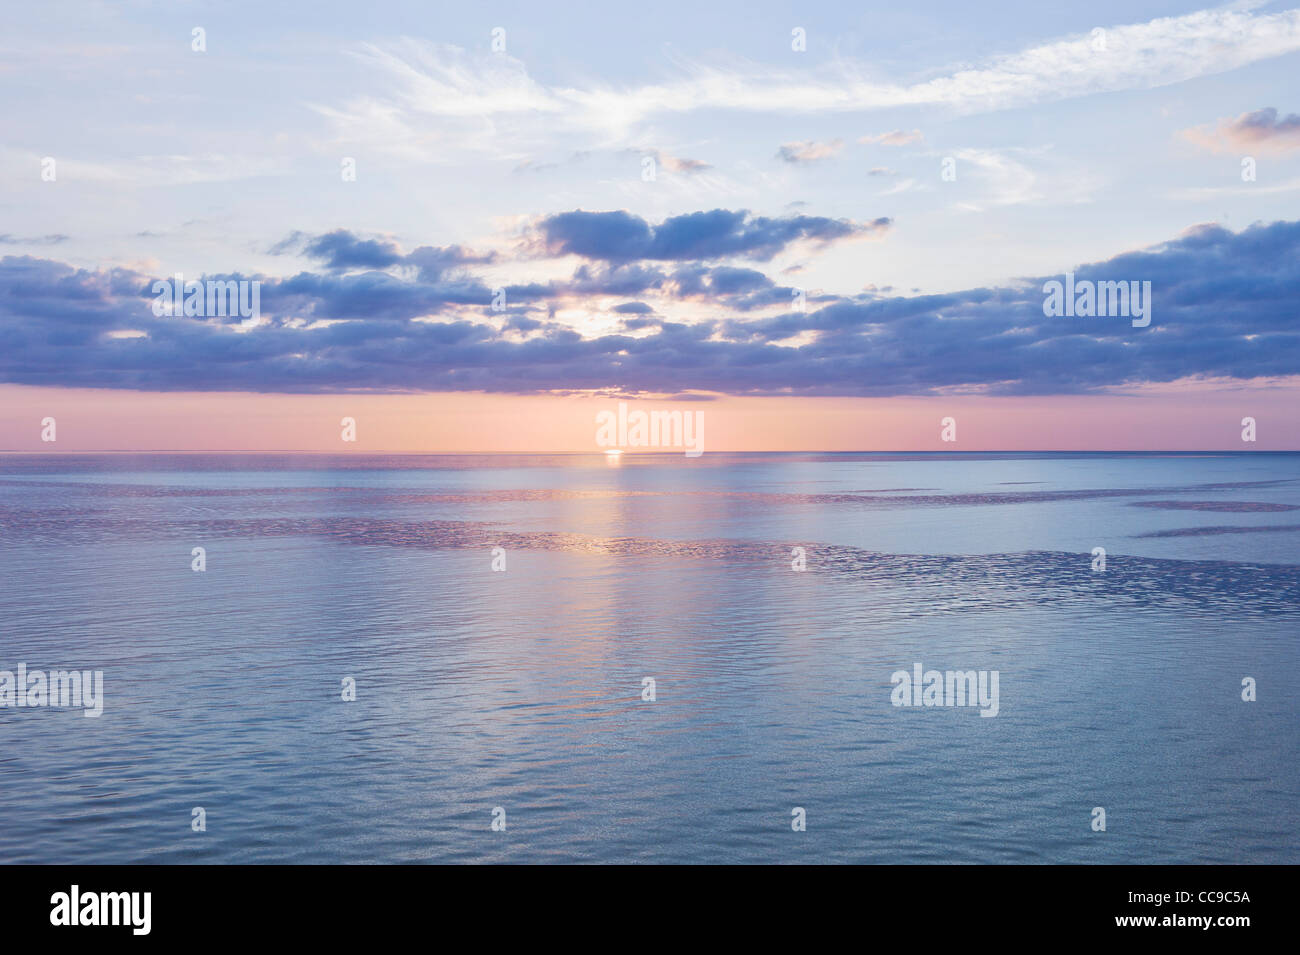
(895, 137)
(170, 170)
(1244, 190)
(440, 98)
(905, 185)
(1007, 181)
(1017, 176)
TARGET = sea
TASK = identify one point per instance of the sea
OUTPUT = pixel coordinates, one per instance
(313, 658)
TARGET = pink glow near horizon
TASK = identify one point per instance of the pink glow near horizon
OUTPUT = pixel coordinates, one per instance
(135, 421)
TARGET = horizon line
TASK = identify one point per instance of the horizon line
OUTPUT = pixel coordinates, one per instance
(627, 453)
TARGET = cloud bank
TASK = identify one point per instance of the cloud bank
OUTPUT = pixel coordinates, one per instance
(1224, 307)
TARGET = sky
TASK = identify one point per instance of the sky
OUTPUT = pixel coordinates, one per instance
(821, 227)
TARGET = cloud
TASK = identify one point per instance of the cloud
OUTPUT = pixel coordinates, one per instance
(54, 238)
(897, 137)
(679, 164)
(1260, 131)
(809, 151)
(153, 170)
(903, 185)
(663, 160)
(1008, 181)
(440, 99)
(1223, 309)
(344, 251)
(1218, 193)
(720, 233)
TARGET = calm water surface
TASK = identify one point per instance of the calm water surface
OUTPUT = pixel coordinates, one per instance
(522, 690)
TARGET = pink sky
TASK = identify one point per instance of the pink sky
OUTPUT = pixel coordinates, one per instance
(1172, 419)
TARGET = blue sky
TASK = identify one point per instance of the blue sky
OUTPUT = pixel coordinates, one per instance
(776, 169)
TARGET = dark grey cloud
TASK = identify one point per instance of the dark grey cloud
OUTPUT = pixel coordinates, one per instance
(342, 250)
(1224, 306)
(345, 251)
(697, 236)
